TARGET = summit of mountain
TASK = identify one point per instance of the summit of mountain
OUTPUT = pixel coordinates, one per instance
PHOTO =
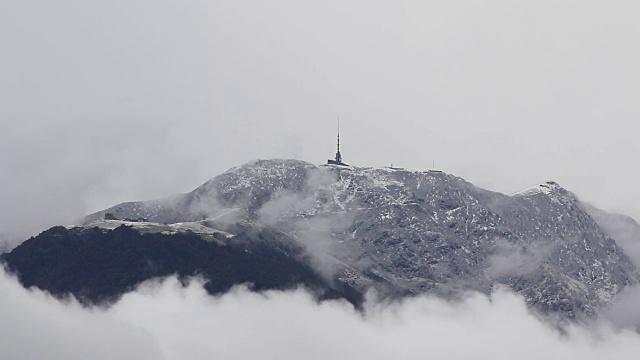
(416, 231)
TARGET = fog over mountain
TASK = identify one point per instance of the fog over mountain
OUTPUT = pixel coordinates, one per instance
(319, 206)
(418, 231)
(167, 321)
(127, 101)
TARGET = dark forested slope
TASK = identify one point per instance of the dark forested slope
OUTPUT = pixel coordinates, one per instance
(98, 266)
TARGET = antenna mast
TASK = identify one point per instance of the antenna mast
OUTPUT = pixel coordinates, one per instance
(338, 156)
(338, 159)
(338, 134)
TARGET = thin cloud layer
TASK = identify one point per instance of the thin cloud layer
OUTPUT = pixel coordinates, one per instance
(164, 320)
(515, 259)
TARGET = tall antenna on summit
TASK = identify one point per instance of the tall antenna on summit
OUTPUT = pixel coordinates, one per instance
(338, 156)
(338, 133)
(338, 159)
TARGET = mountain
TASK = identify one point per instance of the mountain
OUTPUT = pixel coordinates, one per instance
(97, 265)
(408, 232)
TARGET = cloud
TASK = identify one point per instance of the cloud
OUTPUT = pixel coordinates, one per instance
(164, 320)
(625, 312)
(284, 204)
(515, 259)
(287, 204)
(623, 229)
(9, 241)
(295, 213)
(33, 325)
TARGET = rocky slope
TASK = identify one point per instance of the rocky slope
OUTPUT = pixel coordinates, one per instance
(412, 232)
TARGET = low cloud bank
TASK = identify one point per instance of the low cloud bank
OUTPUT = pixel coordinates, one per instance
(163, 320)
(33, 325)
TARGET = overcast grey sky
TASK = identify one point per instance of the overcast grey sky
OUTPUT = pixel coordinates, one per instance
(109, 101)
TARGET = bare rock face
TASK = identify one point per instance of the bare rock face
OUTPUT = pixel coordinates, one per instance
(411, 232)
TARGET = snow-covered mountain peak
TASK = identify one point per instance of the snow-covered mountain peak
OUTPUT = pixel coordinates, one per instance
(547, 187)
(419, 230)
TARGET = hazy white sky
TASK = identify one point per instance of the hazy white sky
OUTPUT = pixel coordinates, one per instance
(109, 101)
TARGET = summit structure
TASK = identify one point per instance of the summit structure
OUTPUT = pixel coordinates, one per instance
(338, 159)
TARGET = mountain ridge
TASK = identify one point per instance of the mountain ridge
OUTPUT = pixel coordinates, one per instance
(423, 230)
(409, 232)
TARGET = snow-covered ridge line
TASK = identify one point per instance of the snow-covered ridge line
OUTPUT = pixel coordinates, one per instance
(548, 187)
(152, 227)
(418, 230)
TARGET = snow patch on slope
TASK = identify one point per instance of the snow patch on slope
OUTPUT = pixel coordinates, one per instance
(151, 227)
